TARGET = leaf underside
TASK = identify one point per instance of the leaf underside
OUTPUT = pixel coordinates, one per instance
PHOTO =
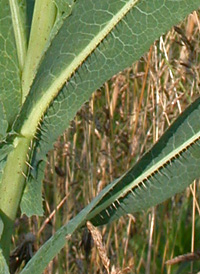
(168, 168)
(10, 91)
(125, 44)
(118, 49)
(131, 196)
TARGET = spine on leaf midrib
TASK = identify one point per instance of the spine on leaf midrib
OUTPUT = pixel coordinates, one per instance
(37, 111)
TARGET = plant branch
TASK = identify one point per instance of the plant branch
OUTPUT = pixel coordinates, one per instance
(43, 20)
(19, 30)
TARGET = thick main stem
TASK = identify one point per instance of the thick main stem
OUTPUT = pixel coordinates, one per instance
(11, 189)
(13, 178)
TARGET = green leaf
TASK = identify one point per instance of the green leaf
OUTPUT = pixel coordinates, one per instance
(63, 8)
(10, 91)
(125, 44)
(2, 165)
(3, 265)
(169, 167)
(31, 203)
(5, 149)
(98, 40)
(52, 247)
(4, 123)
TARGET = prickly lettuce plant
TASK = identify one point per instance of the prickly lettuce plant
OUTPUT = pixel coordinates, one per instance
(54, 54)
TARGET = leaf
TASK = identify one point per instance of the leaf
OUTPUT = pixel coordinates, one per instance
(4, 123)
(52, 247)
(168, 168)
(3, 265)
(5, 148)
(93, 44)
(63, 8)
(31, 203)
(10, 92)
(111, 56)
(160, 173)
(2, 165)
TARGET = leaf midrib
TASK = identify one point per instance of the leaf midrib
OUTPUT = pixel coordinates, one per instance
(30, 125)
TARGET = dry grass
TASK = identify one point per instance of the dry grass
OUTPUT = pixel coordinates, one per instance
(121, 121)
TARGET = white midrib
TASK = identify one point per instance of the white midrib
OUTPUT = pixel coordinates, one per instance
(30, 125)
(144, 176)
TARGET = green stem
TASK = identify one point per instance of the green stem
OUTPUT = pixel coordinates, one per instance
(43, 20)
(13, 180)
(19, 30)
(11, 189)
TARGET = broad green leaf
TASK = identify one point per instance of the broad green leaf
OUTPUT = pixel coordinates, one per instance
(166, 169)
(111, 35)
(3, 265)
(10, 91)
(112, 55)
(99, 39)
(169, 167)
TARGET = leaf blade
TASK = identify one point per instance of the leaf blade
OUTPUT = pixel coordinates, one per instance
(57, 241)
(81, 86)
(126, 44)
(53, 72)
(53, 246)
(154, 177)
(3, 265)
(9, 67)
